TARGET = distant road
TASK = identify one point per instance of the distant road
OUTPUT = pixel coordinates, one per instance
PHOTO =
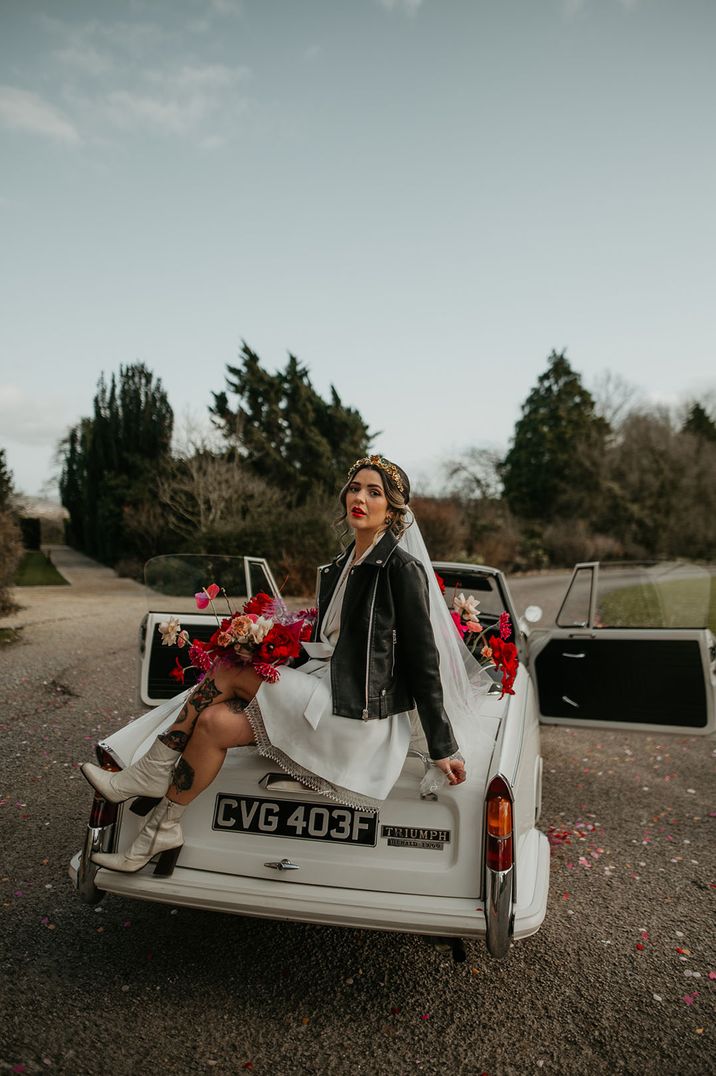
(546, 589)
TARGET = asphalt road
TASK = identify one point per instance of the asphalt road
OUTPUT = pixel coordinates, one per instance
(616, 980)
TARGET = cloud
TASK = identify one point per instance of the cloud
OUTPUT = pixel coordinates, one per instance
(84, 58)
(31, 419)
(572, 8)
(409, 7)
(229, 8)
(26, 111)
(178, 101)
(200, 76)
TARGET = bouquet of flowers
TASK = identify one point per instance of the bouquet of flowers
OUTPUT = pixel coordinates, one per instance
(500, 651)
(264, 635)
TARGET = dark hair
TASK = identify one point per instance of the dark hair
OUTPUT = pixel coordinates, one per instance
(397, 499)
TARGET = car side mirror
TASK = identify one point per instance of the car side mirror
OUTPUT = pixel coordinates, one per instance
(533, 614)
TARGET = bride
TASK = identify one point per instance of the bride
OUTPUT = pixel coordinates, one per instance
(339, 720)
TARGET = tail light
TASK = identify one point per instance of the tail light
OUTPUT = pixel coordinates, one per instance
(103, 812)
(498, 822)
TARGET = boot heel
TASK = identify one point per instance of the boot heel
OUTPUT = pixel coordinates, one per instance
(166, 862)
(144, 804)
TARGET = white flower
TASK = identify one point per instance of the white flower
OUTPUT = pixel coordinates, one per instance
(260, 628)
(467, 607)
(169, 631)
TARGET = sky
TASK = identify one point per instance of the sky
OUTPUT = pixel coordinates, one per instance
(419, 199)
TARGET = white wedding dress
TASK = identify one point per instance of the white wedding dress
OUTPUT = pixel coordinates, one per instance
(350, 761)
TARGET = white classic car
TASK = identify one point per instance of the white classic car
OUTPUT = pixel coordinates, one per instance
(631, 649)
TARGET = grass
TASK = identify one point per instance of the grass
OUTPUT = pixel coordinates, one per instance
(675, 603)
(37, 571)
(9, 636)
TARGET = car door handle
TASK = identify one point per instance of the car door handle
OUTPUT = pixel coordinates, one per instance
(566, 655)
(283, 865)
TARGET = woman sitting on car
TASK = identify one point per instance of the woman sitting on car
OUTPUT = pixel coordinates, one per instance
(339, 720)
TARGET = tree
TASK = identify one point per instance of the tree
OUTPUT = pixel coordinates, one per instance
(110, 461)
(553, 467)
(6, 482)
(10, 539)
(285, 432)
(699, 423)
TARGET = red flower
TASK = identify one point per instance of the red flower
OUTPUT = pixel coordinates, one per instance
(441, 582)
(177, 673)
(281, 643)
(260, 603)
(306, 630)
(504, 657)
(199, 655)
(459, 624)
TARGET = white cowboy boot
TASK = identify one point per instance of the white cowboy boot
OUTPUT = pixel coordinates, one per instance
(149, 776)
(161, 833)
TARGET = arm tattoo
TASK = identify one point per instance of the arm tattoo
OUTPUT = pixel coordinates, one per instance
(175, 739)
(202, 696)
(183, 775)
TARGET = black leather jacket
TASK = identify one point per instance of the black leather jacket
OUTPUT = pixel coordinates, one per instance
(385, 660)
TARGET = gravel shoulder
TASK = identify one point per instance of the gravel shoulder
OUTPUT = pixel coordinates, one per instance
(616, 980)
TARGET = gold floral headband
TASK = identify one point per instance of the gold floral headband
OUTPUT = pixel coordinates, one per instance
(384, 465)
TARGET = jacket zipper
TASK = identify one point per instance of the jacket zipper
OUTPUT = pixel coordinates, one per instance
(367, 656)
(392, 667)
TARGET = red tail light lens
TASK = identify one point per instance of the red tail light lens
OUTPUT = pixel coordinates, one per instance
(498, 825)
(103, 812)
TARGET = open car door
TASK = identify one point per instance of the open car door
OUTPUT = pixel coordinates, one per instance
(171, 581)
(633, 648)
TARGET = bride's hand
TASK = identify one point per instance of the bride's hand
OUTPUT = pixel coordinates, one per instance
(453, 768)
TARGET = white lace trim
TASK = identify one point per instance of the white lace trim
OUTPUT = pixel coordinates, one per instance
(311, 780)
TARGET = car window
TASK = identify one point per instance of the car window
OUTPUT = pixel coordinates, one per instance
(657, 595)
(173, 579)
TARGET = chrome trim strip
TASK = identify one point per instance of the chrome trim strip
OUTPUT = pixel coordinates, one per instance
(97, 839)
(498, 911)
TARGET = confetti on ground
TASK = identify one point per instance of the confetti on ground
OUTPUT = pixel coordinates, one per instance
(425, 1016)
(689, 999)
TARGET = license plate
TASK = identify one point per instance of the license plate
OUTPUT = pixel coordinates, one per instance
(289, 818)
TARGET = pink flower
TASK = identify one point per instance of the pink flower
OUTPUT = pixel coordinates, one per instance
(457, 620)
(183, 639)
(505, 626)
(207, 595)
(266, 672)
(473, 625)
(486, 651)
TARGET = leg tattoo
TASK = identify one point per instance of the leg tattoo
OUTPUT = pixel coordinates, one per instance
(177, 740)
(183, 775)
(203, 696)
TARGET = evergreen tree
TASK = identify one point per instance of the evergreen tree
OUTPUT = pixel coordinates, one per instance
(6, 483)
(699, 423)
(285, 431)
(110, 461)
(554, 465)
